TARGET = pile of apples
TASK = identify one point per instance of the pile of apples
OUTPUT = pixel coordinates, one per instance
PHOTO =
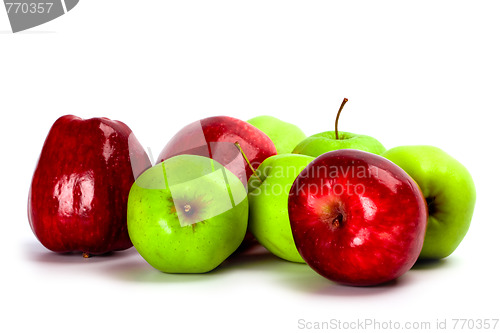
(356, 213)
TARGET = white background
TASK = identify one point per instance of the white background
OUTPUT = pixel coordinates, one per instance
(422, 72)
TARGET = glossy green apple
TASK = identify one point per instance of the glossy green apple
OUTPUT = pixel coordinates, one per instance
(450, 193)
(324, 142)
(268, 199)
(285, 136)
(187, 214)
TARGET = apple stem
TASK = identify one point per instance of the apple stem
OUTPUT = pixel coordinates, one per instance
(337, 119)
(237, 144)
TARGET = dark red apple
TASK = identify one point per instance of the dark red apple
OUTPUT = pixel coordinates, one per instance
(357, 218)
(78, 196)
(215, 137)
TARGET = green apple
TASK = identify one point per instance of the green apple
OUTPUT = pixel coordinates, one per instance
(285, 136)
(268, 198)
(187, 214)
(450, 193)
(324, 142)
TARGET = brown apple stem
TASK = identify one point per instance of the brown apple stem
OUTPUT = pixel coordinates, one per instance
(337, 119)
(86, 255)
(237, 144)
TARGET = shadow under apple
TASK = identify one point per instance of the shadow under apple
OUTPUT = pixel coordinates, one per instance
(129, 266)
(140, 271)
(428, 264)
(309, 282)
(301, 278)
(37, 253)
(254, 259)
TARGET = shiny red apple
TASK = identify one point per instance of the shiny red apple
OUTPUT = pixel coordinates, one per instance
(214, 137)
(357, 218)
(78, 196)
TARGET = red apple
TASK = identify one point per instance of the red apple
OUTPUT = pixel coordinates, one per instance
(215, 137)
(78, 196)
(357, 218)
